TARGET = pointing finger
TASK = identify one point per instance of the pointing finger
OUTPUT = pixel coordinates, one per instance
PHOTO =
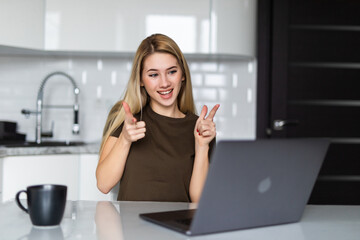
(129, 118)
(213, 112)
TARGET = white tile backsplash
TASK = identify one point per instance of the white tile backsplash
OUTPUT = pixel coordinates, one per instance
(102, 82)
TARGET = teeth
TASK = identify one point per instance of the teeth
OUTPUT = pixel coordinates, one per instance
(167, 92)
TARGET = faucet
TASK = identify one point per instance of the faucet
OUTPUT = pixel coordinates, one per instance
(40, 106)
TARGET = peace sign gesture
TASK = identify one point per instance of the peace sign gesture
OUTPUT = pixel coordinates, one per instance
(132, 129)
(205, 129)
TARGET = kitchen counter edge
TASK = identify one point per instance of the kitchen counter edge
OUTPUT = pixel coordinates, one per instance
(91, 148)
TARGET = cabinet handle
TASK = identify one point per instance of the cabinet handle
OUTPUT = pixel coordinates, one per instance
(280, 124)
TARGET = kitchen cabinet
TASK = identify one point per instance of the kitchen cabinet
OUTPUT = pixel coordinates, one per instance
(18, 172)
(120, 25)
(233, 27)
(22, 23)
(77, 171)
(202, 26)
(87, 180)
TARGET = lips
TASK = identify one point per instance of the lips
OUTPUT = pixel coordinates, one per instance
(165, 92)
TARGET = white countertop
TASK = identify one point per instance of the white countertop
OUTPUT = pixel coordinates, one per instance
(120, 220)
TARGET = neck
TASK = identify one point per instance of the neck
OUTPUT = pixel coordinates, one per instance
(171, 111)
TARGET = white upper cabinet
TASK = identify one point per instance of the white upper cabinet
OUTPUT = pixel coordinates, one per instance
(22, 23)
(200, 26)
(120, 25)
(233, 27)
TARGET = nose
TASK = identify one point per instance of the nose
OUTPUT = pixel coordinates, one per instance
(164, 81)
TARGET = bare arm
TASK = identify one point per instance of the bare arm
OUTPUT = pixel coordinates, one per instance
(205, 132)
(115, 152)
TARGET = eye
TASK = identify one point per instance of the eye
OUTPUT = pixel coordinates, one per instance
(153, 75)
(172, 72)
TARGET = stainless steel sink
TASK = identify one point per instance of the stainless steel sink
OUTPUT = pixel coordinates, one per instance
(45, 144)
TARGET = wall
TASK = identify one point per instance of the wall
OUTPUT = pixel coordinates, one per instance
(232, 83)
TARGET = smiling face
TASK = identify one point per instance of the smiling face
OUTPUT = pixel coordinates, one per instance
(162, 76)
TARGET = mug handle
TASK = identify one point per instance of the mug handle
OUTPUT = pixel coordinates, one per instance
(17, 198)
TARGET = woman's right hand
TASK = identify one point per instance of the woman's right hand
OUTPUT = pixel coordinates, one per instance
(132, 129)
(115, 152)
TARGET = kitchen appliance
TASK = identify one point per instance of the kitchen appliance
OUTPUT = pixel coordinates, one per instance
(8, 133)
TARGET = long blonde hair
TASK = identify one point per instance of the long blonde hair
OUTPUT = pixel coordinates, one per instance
(136, 96)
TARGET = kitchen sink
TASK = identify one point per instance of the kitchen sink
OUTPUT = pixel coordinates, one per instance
(45, 144)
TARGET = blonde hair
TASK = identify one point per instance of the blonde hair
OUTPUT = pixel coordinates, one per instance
(136, 96)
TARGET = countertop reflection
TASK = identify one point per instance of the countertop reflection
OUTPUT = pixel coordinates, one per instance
(120, 220)
(44, 233)
(108, 221)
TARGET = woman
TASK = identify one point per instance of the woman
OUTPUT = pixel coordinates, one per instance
(153, 141)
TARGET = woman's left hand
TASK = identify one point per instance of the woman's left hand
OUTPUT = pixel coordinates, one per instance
(205, 129)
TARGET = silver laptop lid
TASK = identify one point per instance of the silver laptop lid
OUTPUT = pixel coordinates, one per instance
(258, 183)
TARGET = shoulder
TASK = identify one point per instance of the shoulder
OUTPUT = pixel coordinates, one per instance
(191, 116)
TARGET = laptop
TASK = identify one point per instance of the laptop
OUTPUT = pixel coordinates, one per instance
(251, 184)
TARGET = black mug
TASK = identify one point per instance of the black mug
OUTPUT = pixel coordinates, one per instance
(46, 204)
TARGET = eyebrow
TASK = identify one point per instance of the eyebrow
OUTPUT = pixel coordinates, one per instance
(153, 69)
